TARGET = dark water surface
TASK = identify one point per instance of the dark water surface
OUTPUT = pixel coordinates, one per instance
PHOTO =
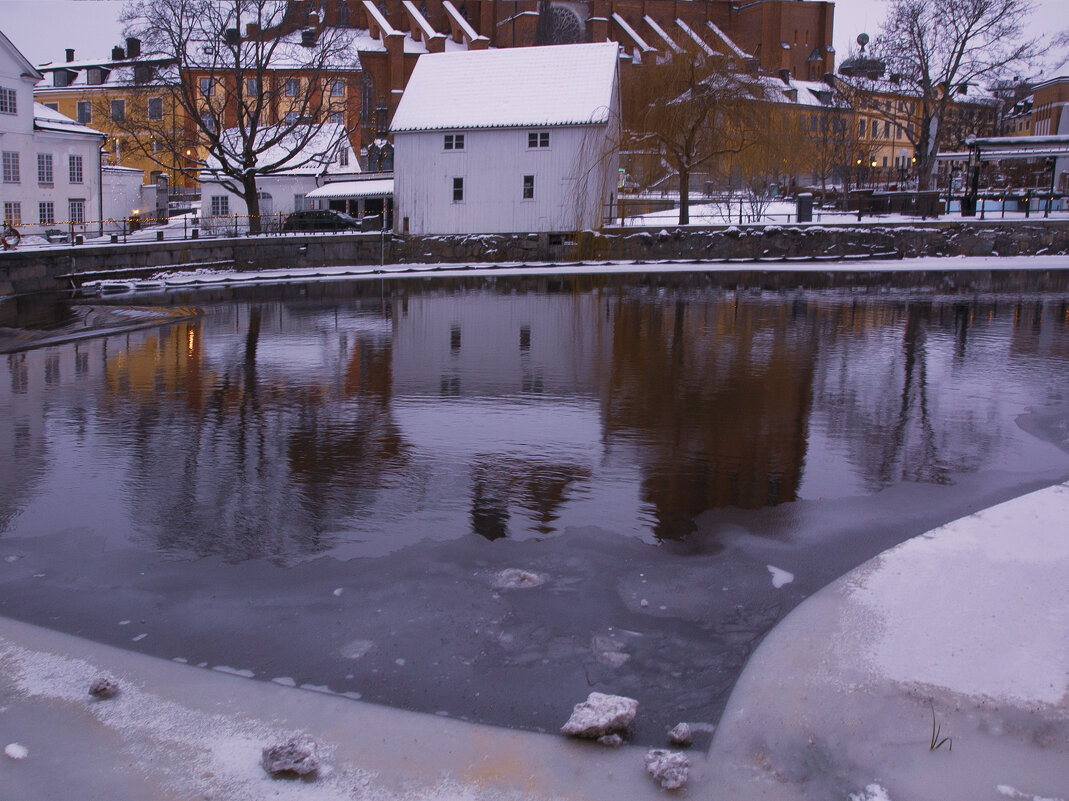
(322, 483)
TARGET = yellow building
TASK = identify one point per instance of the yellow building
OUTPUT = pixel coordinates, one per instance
(113, 95)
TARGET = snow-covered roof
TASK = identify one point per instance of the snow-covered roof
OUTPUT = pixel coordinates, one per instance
(377, 187)
(510, 88)
(46, 119)
(319, 153)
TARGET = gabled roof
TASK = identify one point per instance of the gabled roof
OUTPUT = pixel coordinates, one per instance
(510, 88)
(28, 69)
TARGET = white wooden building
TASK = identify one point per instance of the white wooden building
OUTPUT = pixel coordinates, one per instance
(50, 177)
(508, 141)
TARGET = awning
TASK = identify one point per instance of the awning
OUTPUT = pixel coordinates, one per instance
(379, 187)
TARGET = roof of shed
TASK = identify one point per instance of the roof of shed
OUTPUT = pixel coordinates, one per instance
(510, 88)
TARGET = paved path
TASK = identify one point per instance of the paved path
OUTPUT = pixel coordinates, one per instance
(969, 622)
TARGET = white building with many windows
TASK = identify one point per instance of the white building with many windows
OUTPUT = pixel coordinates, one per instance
(508, 141)
(50, 163)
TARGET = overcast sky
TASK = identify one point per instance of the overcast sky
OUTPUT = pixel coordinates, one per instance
(42, 29)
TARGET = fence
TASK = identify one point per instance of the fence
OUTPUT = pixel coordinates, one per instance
(145, 229)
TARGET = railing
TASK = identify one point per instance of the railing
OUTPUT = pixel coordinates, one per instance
(152, 229)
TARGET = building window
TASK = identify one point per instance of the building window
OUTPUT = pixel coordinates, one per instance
(8, 101)
(53, 106)
(887, 130)
(220, 205)
(337, 89)
(44, 169)
(292, 87)
(207, 121)
(343, 157)
(337, 118)
(207, 87)
(155, 108)
(94, 76)
(454, 141)
(458, 190)
(291, 118)
(252, 86)
(74, 169)
(76, 207)
(118, 110)
(861, 128)
(85, 112)
(12, 213)
(11, 167)
(46, 212)
(538, 139)
(528, 187)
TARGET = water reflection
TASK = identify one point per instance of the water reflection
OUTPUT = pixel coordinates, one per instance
(287, 427)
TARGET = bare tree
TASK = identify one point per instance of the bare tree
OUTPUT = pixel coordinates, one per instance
(692, 109)
(933, 51)
(249, 103)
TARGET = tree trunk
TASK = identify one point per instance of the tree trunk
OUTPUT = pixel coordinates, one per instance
(684, 196)
(252, 202)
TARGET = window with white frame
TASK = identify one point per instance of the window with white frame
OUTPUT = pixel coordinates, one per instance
(458, 190)
(76, 210)
(538, 139)
(85, 112)
(291, 118)
(155, 108)
(337, 88)
(8, 101)
(74, 169)
(337, 118)
(12, 213)
(207, 87)
(46, 212)
(44, 169)
(207, 121)
(11, 167)
(528, 187)
(293, 85)
(343, 157)
(118, 110)
(220, 205)
(454, 142)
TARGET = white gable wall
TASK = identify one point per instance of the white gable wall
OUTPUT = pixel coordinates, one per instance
(573, 179)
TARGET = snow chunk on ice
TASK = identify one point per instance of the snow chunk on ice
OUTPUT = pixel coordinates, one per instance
(16, 751)
(871, 793)
(779, 576)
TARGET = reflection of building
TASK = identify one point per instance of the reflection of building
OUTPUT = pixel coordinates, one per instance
(720, 392)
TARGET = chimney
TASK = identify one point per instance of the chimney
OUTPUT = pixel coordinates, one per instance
(785, 76)
(70, 54)
(252, 30)
(232, 37)
(829, 79)
(117, 54)
(308, 38)
(133, 47)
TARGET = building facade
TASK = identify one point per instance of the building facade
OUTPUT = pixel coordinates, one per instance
(50, 177)
(508, 141)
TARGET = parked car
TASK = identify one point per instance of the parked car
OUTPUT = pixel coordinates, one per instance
(320, 220)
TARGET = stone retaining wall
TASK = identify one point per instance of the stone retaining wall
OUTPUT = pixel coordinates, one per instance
(34, 270)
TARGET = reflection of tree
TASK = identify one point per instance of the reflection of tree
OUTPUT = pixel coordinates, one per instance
(269, 461)
(896, 425)
(718, 393)
(538, 488)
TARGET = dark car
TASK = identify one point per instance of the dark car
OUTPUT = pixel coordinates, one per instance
(320, 220)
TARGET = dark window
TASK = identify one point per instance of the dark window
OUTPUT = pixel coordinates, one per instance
(454, 141)
(458, 190)
(118, 110)
(538, 139)
(528, 187)
(155, 108)
(85, 112)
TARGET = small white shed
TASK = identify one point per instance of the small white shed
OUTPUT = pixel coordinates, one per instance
(508, 141)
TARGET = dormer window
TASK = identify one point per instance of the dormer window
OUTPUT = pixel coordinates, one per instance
(95, 76)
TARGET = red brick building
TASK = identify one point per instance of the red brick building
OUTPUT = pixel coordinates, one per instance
(775, 35)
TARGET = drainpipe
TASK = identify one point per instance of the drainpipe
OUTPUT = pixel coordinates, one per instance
(100, 188)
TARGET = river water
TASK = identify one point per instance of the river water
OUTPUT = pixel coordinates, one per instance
(486, 497)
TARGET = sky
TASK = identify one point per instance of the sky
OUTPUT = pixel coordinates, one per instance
(42, 29)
